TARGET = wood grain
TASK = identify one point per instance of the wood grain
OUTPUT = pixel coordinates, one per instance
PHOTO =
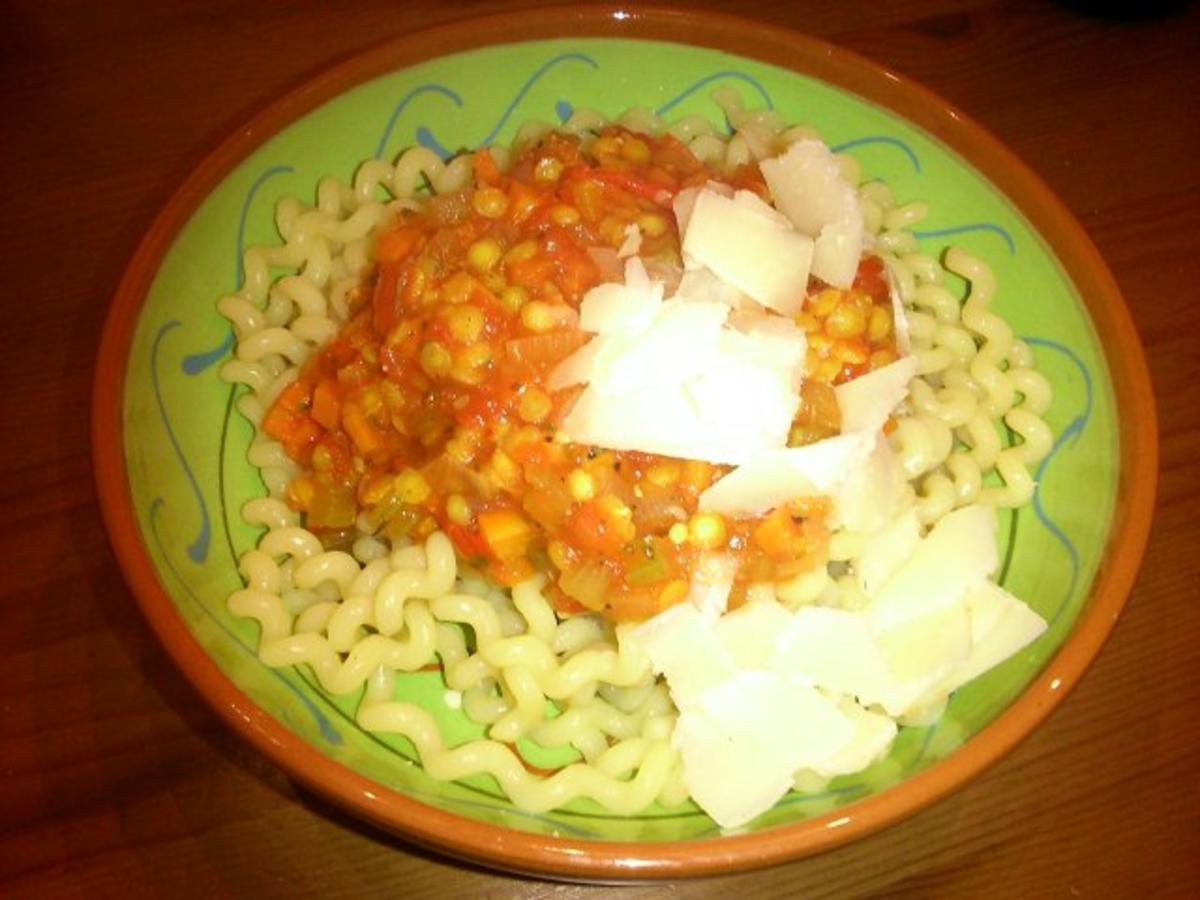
(116, 779)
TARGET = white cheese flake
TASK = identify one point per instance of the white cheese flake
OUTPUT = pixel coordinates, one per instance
(626, 306)
(742, 740)
(744, 242)
(875, 493)
(703, 284)
(957, 555)
(929, 647)
(872, 737)
(749, 634)
(685, 201)
(672, 377)
(866, 401)
(1001, 626)
(807, 186)
(681, 645)
(774, 477)
(680, 342)
(886, 549)
(632, 243)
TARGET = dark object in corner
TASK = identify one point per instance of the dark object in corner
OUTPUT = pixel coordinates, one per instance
(1125, 10)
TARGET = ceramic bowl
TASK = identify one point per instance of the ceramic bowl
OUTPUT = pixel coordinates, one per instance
(170, 447)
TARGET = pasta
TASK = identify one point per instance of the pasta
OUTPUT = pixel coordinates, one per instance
(370, 609)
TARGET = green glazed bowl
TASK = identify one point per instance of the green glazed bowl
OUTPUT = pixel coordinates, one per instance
(170, 446)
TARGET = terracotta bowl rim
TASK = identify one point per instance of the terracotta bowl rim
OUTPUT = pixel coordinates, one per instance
(617, 861)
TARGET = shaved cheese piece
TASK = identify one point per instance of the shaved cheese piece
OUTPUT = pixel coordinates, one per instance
(749, 633)
(885, 550)
(750, 201)
(873, 735)
(866, 402)
(719, 397)
(654, 420)
(712, 582)
(838, 248)
(1001, 626)
(835, 649)
(703, 285)
(682, 646)
(774, 477)
(761, 726)
(928, 648)
(807, 186)
(987, 604)
(899, 316)
(685, 201)
(744, 242)
(774, 340)
(705, 418)
(622, 306)
(957, 555)
(681, 342)
(579, 366)
(672, 377)
(875, 493)
(857, 468)
(632, 243)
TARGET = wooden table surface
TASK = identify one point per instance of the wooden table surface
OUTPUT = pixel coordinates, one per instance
(114, 776)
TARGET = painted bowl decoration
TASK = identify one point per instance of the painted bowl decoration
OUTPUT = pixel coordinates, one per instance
(171, 447)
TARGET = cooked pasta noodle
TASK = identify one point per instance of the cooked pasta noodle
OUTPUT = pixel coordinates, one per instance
(361, 620)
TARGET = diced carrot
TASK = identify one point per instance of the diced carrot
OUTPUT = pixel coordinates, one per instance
(486, 171)
(300, 442)
(280, 423)
(672, 153)
(466, 541)
(294, 397)
(531, 273)
(338, 451)
(383, 303)
(523, 199)
(511, 571)
(397, 245)
(327, 404)
(506, 532)
(777, 534)
(285, 414)
(545, 350)
(594, 529)
(577, 271)
(640, 187)
(565, 604)
(870, 278)
(634, 604)
(366, 436)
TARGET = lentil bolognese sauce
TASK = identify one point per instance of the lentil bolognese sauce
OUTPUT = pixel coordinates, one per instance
(432, 409)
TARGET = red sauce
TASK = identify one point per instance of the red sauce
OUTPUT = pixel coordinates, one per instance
(430, 409)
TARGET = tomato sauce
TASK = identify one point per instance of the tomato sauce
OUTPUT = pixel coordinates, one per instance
(431, 408)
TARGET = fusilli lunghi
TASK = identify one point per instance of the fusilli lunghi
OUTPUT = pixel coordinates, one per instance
(363, 619)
